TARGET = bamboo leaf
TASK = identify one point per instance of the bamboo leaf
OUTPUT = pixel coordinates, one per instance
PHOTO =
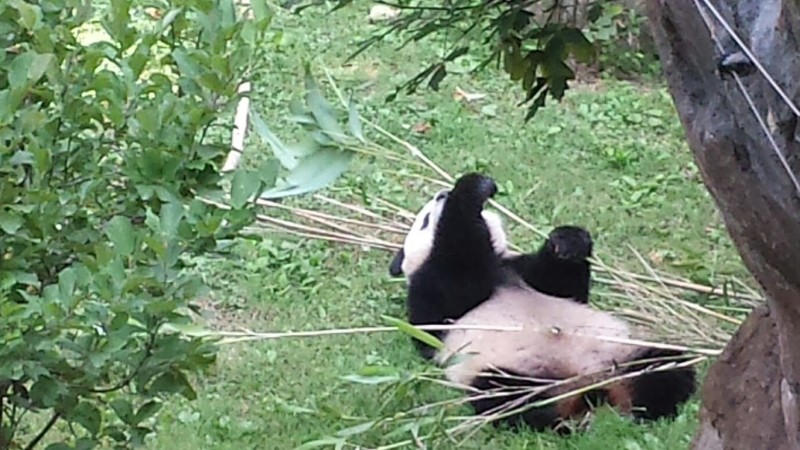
(415, 332)
(312, 173)
(278, 149)
(354, 121)
(322, 111)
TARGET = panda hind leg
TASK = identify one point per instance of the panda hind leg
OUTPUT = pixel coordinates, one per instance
(659, 394)
(489, 398)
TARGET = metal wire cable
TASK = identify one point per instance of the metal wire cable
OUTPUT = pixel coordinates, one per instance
(750, 102)
(747, 52)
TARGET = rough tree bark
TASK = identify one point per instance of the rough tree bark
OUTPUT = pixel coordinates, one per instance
(750, 395)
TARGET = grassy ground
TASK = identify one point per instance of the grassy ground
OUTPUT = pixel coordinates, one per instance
(611, 157)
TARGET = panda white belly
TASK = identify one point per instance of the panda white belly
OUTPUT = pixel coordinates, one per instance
(557, 339)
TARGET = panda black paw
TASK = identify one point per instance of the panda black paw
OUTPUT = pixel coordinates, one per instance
(570, 243)
(476, 184)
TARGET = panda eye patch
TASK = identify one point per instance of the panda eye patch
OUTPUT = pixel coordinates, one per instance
(425, 221)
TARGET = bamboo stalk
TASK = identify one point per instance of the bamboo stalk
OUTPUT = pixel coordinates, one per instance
(239, 128)
(355, 208)
(308, 212)
(323, 237)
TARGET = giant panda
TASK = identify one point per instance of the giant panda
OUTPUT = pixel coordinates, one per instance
(457, 273)
(560, 267)
(419, 246)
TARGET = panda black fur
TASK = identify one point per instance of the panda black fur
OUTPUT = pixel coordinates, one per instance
(458, 273)
(559, 268)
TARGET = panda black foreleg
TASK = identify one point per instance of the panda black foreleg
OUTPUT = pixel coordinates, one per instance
(463, 269)
(463, 242)
(560, 267)
(425, 307)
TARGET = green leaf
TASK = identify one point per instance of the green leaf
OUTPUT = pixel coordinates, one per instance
(10, 222)
(538, 102)
(85, 444)
(415, 332)
(139, 59)
(168, 18)
(18, 70)
(118, 25)
(190, 329)
(66, 281)
(227, 11)
(321, 110)
(356, 429)
(147, 411)
(7, 281)
(374, 375)
(186, 64)
(594, 12)
(325, 442)
(278, 149)
(312, 173)
(88, 416)
(27, 278)
(21, 158)
(44, 392)
(174, 382)
(30, 15)
(120, 232)
(577, 44)
(244, 185)
(39, 65)
(615, 9)
(268, 171)
(123, 409)
(58, 446)
(120, 319)
(354, 121)
(297, 108)
(170, 218)
(150, 121)
(260, 9)
(438, 75)
(305, 147)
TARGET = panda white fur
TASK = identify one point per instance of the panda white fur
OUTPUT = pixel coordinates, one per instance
(459, 271)
(420, 237)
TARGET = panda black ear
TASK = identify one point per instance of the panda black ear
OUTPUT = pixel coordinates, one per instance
(396, 266)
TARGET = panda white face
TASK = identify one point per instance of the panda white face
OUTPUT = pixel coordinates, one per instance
(419, 240)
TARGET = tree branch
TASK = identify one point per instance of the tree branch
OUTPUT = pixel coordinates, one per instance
(43, 432)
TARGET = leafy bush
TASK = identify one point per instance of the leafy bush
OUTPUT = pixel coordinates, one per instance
(535, 42)
(109, 130)
(622, 40)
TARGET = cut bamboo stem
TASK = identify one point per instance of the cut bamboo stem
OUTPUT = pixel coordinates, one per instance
(239, 128)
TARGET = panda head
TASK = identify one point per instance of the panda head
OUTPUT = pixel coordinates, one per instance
(419, 240)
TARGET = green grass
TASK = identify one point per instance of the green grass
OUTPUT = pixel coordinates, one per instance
(610, 157)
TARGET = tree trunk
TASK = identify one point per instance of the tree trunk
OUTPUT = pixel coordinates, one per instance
(750, 395)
